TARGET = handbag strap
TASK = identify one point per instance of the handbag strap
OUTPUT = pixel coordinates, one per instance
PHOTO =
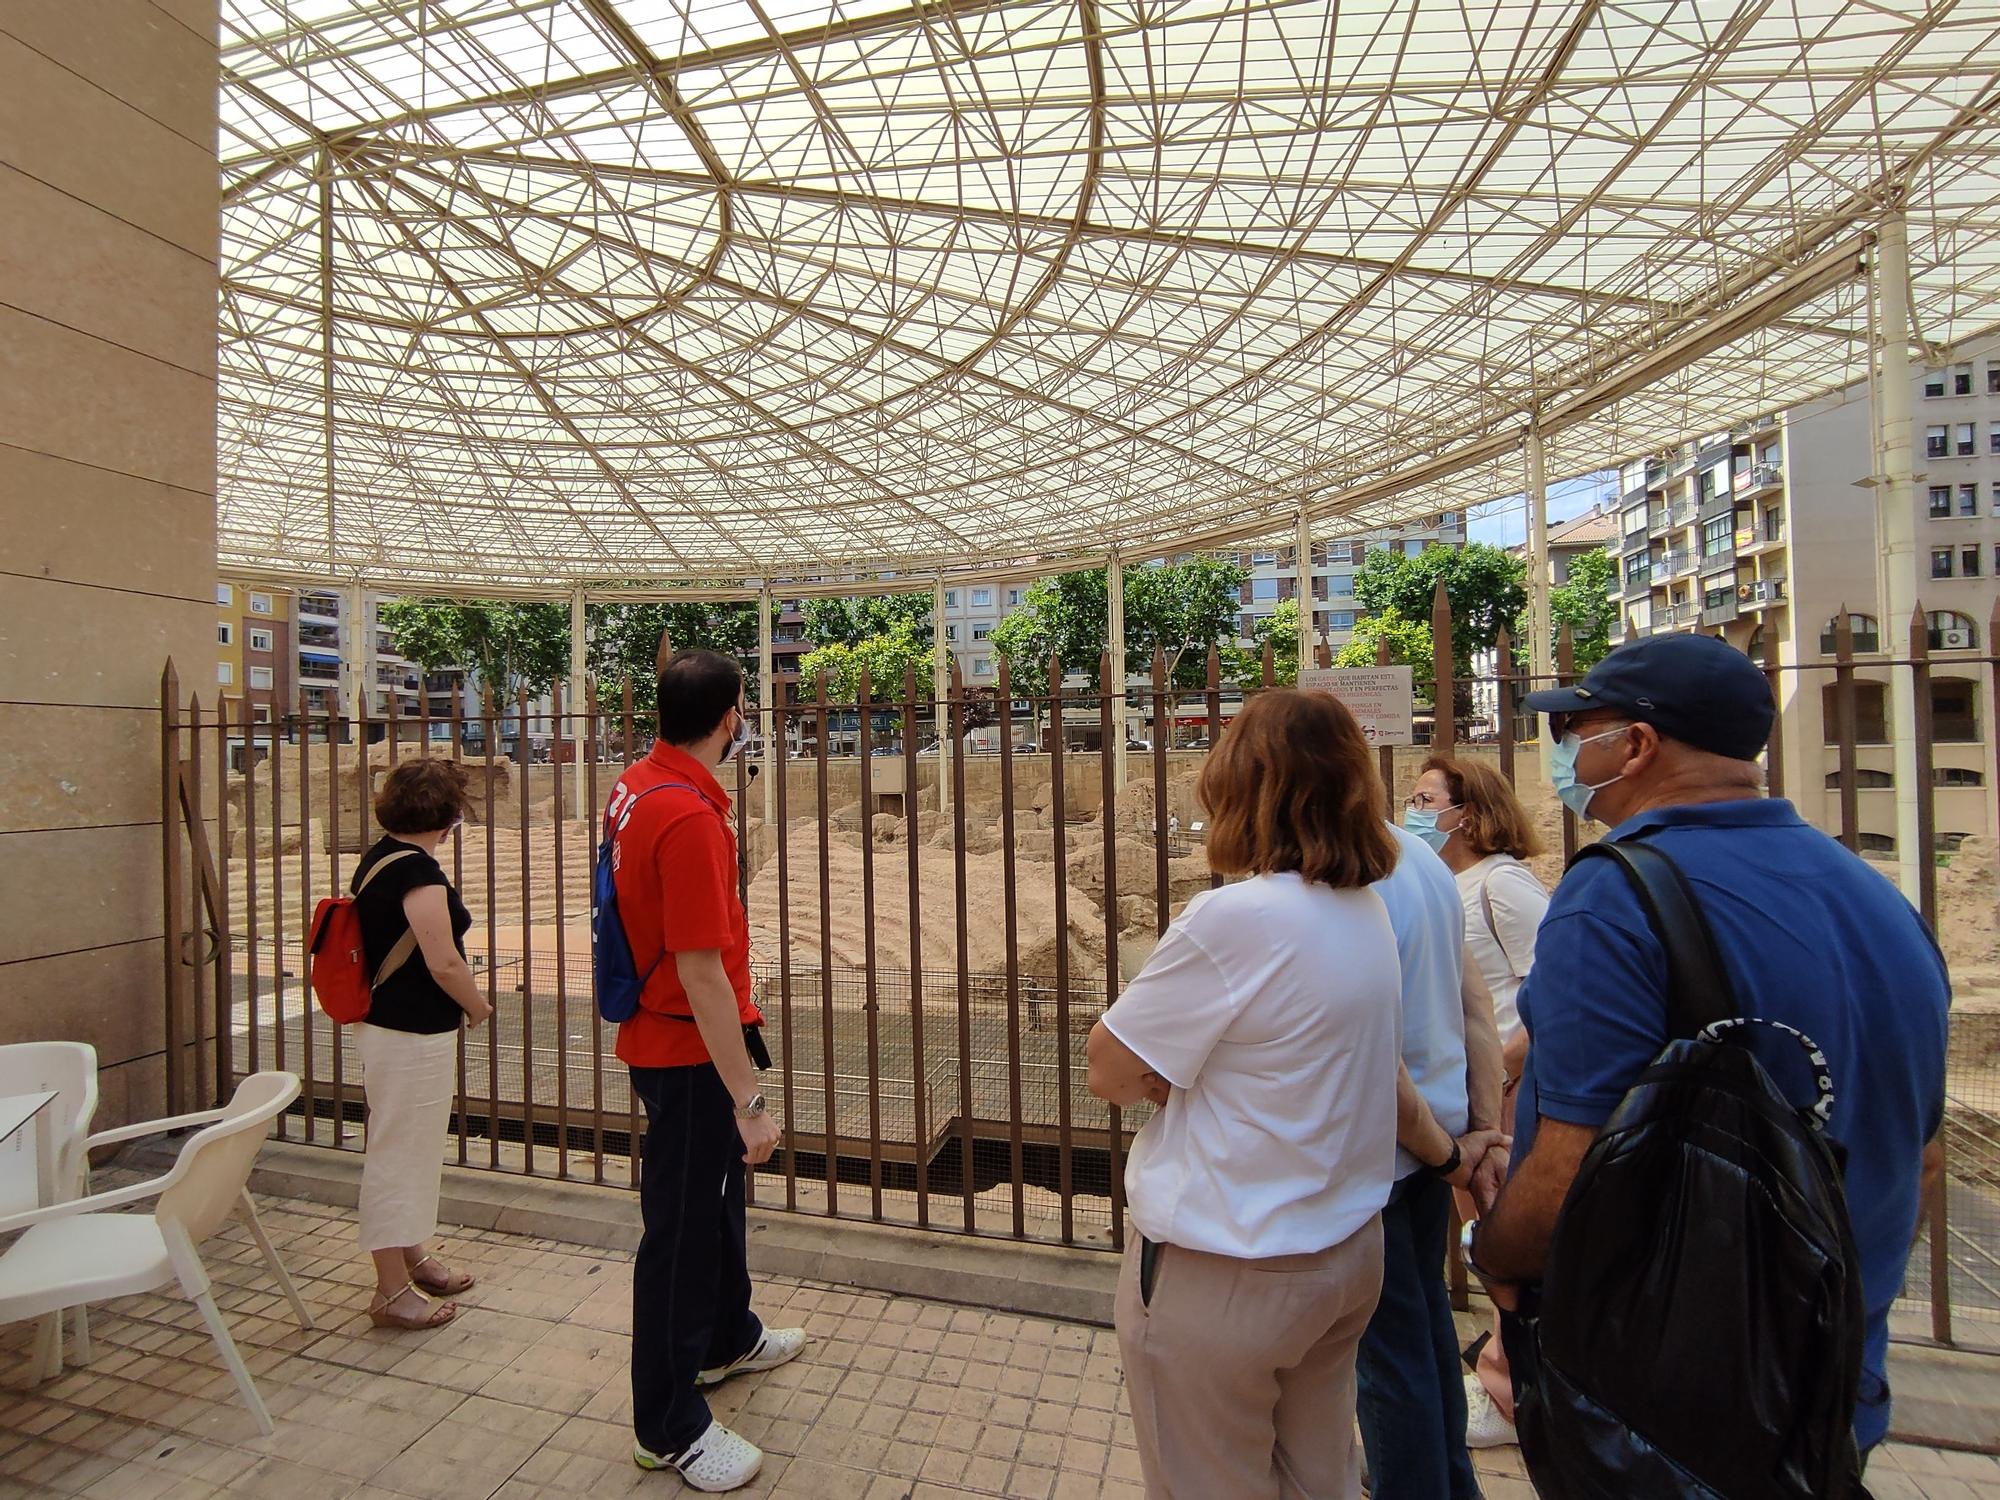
(1699, 993)
(377, 868)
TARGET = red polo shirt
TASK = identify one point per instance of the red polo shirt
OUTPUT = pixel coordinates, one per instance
(673, 859)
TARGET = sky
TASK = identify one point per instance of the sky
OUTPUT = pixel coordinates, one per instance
(1505, 522)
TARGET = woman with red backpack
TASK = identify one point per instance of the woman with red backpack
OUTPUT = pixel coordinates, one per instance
(413, 927)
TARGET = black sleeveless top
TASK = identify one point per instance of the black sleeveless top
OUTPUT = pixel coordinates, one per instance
(409, 999)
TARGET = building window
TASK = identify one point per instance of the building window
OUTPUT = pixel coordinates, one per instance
(982, 632)
(1774, 525)
(1340, 619)
(1968, 499)
(260, 604)
(260, 677)
(1715, 598)
(1863, 778)
(1940, 501)
(1940, 562)
(1951, 631)
(1934, 384)
(1966, 440)
(260, 713)
(260, 640)
(1954, 710)
(224, 595)
(1993, 377)
(951, 632)
(1993, 438)
(1263, 559)
(224, 672)
(1263, 590)
(1638, 569)
(983, 667)
(1341, 585)
(1867, 633)
(1961, 380)
(1718, 535)
(1013, 598)
(225, 635)
(1871, 713)
(1968, 562)
(1937, 442)
(982, 598)
(951, 598)
(1956, 776)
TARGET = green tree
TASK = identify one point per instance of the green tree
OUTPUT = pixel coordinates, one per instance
(1483, 583)
(1585, 604)
(1181, 610)
(1409, 644)
(625, 642)
(1068, 616)
(886, 657)
(849, 622)
(1282, 629)
(508, 645)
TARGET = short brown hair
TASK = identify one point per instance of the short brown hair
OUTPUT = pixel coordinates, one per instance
(421, 796)
(1493, 821)
(1292, 786)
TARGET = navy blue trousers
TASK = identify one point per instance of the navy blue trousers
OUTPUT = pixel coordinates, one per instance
(690, 1284)
(1410, 1378)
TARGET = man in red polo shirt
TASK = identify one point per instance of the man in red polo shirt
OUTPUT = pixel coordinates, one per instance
(690, 1050)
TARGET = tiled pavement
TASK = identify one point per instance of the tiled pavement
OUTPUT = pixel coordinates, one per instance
(525, 1396)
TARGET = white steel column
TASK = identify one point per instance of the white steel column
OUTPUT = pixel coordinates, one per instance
(1114, 631)
(578, 705)
(1541, 646)
(767, 711)
(940, 692)
(1302, 540)
(1895, 501)
(357, 651)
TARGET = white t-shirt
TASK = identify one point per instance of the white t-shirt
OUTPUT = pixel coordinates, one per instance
(1505, 949)
(1271, 1006)
(1429, 924)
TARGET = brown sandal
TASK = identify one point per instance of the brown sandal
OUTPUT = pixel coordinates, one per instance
(454, 1284)
(439, 1314)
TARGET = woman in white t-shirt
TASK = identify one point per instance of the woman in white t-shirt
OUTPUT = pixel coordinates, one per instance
(1266, 1026)
(1468, 813)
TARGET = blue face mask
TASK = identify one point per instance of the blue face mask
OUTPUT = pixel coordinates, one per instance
(1576, 794)
(1425, 826)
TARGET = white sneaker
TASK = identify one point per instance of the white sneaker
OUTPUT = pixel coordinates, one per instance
(716, 1461)
(778, 1346)
(1485, 1427)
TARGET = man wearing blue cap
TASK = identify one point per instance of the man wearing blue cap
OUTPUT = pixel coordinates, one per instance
(1660, 741)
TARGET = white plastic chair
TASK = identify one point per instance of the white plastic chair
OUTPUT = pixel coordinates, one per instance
(69, 1071)
(78, 1252)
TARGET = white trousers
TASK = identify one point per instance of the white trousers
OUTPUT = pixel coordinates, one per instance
(407, 1078)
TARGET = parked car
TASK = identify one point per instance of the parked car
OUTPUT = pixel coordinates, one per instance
(1138, 744)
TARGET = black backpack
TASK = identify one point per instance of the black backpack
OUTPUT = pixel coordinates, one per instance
(1697, 1333)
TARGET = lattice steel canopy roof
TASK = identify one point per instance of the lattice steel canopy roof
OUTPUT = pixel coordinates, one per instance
(548, 292)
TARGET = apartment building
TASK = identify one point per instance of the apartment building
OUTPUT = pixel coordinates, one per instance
(1274, 575)
(1764, 534)
(386, 676)
(254, 660)
(971, 613)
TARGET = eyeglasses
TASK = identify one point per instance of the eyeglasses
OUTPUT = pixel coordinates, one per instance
(1428, 802)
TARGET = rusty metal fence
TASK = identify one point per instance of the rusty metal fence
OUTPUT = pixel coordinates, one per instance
(933, 934)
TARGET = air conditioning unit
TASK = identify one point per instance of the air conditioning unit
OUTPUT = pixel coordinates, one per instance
(1954, 640)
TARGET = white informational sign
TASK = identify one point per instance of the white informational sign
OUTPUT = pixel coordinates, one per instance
(1381, 698)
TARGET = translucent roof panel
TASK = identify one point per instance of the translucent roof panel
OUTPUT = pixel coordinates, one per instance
(545, 293)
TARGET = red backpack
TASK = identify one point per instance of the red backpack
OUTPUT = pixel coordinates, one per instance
(340, 965)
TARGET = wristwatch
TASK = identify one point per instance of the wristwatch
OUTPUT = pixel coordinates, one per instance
(1449, 1165)
(1465, 1239)
(751, 1109)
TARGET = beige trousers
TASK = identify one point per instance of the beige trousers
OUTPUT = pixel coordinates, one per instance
(1241, 1372)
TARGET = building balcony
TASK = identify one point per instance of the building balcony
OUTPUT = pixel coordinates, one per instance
(1761, 592)
(326, 609)
(1751, 542)
(1720, 614)
(1722, 557)
(1638, 586)
(318, 672)
(1677, 615)
(1715, 505)
(1635, 541)
(1673, 564)
(1666, 517)
(1756, 479)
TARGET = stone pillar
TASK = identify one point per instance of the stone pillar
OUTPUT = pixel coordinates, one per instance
(109, 240)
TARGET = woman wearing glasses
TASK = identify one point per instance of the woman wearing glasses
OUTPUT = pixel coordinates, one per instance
(1468, 812)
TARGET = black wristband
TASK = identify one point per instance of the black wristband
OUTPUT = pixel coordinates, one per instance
(1449, 1165)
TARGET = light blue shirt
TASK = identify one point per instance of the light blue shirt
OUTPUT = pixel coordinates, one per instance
(1429, 922)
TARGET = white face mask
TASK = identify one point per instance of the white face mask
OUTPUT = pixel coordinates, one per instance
(1576, 795)
(737, 740)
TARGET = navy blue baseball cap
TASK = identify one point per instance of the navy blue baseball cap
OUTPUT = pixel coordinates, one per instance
(1692, 688)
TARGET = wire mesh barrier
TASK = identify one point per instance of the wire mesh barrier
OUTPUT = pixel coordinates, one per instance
(943, 893)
